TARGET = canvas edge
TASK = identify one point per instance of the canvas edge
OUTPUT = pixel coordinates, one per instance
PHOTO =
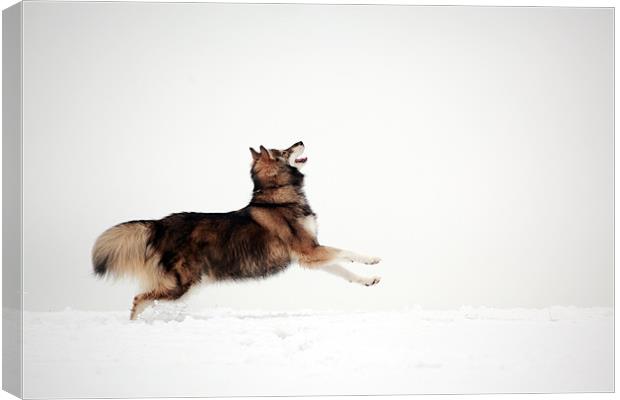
(12, 301)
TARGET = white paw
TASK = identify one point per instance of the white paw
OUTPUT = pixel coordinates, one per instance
(370, 281)
(371, 260)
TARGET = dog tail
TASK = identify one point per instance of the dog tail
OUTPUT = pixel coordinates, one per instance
(123, 250)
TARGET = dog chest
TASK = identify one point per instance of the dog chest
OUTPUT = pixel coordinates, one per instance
(309, 224)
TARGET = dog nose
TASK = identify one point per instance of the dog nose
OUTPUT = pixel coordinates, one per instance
(300, 143)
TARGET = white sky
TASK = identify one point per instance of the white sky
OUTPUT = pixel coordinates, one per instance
(470, 147)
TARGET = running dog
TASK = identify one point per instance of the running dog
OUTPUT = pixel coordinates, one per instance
(277, 228)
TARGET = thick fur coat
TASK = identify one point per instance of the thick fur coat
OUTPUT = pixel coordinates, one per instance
(275, 229)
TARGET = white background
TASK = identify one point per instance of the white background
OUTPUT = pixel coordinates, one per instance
(313, 158)
(470, 148)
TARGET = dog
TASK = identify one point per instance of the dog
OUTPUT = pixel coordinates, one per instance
(277, 228)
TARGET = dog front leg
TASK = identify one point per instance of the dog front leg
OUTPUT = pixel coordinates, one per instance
(344, 273)
(318, 256)
(360, 258)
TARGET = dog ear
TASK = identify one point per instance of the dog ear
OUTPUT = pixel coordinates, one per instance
(255, 154)
(265, 153)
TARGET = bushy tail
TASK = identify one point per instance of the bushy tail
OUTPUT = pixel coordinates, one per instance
(122, 250)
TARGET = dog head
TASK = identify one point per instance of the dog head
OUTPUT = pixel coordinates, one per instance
(274, 168)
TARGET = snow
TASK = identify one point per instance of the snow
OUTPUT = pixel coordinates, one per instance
(223, 352)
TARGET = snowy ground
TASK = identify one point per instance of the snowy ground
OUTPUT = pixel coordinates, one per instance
(224, 352)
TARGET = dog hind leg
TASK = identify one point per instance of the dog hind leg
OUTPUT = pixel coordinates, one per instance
(184, 279)
(141, 302)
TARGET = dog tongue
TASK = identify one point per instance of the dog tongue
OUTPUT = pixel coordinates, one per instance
(301, 159)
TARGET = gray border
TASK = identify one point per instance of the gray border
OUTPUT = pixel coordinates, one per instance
(12, 302)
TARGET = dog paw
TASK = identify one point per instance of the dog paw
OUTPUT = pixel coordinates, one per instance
(372, 260)
(373, 280)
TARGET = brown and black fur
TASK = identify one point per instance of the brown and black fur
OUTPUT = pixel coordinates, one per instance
(172, 254)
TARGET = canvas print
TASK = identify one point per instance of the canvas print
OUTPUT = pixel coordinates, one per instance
(210, 199)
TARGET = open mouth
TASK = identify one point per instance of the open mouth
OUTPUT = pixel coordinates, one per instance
(296, 159)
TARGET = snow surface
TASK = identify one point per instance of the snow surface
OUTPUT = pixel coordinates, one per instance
(224, 352)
